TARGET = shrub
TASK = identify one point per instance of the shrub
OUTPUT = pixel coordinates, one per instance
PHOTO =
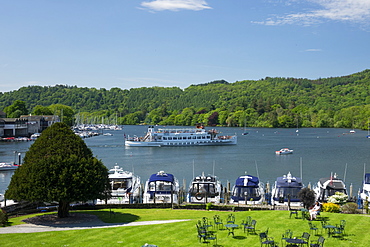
(3, 218)
(339, 198)
(330, 207)
(349, 208)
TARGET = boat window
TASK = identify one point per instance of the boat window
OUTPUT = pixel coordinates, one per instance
(203, 137)
(163, 186)
(284, 192)
(119, 183)
(199, 137)
(194, 137)
(164, 138)
(169, 138)
(189, 137)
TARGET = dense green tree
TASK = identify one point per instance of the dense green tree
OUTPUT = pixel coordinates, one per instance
(66, 113)
(307, 197)
(41, 110)
(269, 102)
(59, 167)
(17, 109)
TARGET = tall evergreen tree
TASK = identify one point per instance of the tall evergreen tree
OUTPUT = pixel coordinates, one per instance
(59, 167)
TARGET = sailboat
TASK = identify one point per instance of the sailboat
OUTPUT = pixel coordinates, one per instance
(245, 129)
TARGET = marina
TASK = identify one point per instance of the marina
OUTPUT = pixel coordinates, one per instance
(317, 154)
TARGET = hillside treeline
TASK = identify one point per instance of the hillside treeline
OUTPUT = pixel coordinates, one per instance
(342, 102)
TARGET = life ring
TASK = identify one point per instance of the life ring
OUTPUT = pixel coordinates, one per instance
(199, 196)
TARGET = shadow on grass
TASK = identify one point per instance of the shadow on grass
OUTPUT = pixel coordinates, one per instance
(83, 219)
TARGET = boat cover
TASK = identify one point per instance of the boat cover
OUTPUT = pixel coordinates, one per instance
(162, 177)
(367, 178)
(286, 182)
(247, 181)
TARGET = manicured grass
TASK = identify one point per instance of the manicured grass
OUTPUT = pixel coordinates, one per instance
(184, 233)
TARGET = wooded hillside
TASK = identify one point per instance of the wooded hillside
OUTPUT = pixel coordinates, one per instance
(270, 102)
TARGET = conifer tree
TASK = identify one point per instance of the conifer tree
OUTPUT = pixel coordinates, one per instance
(59, 167)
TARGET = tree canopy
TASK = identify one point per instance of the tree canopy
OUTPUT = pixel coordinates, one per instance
(59, 167)
(342, 102)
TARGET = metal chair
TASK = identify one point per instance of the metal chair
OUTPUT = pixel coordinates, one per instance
(230, 219)
(318, 243)
(313, 227)
(266, 240)
(286, 235)
(251, 228)
(218, 222)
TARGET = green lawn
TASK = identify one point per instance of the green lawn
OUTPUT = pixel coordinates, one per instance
(184, 233)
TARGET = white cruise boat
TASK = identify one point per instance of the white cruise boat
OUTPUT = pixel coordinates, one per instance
(125, 187)
(247, 189)
(205, 189)
(328, 186)
(161, 188)
(285, 191)
(365, 192)
(198, 136)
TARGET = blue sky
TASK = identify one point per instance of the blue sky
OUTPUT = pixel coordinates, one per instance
(145, 43)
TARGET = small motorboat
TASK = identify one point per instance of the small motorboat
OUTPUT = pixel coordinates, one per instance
(248, 189)
(161, 188)
(284, 151)
(285, 191)
(8, 166)
(327, 187)
(204, 189)
(365, 192)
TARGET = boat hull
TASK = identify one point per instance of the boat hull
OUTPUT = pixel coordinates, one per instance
(231, 141)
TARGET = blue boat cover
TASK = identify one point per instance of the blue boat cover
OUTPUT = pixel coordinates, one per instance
(285, 182)
(161, 177)
(247, 181)
(367, 178)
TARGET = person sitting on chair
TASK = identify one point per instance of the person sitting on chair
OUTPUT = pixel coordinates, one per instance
(314, 211)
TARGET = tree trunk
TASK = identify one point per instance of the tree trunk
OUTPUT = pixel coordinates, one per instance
(63, 209)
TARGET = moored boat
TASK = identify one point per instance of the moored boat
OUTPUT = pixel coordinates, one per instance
(161, 187)
(285, 191)
(284, 151)
(247, 189)
(329, 186)
(180, 137)
(8, 166)
(205, 189)
(365, 191)
(125, 187)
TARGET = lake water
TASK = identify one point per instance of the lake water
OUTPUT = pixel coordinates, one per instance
(319, 152)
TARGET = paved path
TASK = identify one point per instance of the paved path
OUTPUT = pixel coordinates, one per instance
(30, 228)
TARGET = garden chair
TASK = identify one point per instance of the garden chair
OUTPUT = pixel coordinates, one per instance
(306, 237)
(286, 235)
(230, 219)
(206, 223)
(318, 243)
(338, 231)
(247, 221)
(210, 236)
(251, 228)
(313, 227)
(218, 222)
(202, 233)
(266, 240)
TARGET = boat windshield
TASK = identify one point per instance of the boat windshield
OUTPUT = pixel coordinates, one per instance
(121, 183)
(246, 191)
(160, 186)
(203, 188)
(284, 192)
